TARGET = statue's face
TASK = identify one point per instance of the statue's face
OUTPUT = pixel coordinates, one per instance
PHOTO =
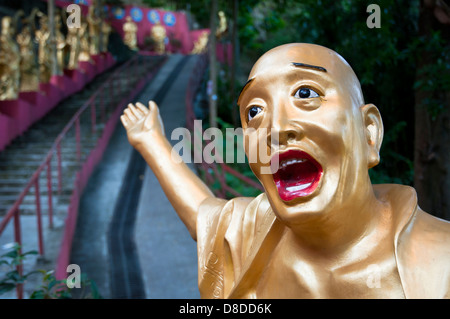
(302, 106)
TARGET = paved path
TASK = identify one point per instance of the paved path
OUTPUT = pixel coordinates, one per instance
(167, 255)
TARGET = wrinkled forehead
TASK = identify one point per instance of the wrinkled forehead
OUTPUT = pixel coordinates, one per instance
(314, 57)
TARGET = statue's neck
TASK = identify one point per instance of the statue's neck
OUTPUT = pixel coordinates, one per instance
(338, 230)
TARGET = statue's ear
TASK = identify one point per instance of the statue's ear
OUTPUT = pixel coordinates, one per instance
(374, 133)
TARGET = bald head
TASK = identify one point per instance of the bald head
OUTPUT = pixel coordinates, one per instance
(303, 103)
(313, 57)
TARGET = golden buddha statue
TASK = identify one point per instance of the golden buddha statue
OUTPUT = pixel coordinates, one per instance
(223, 27)
(158, 36)
(130, 30)
(201, 44)
(60, 46)
(42, 36)
(9, 62)
(320, 229)
(94, 23)
(85, 50)
(29, 72)
(73, 41)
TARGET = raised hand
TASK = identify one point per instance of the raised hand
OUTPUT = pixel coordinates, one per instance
(142, 123)
(184, 189)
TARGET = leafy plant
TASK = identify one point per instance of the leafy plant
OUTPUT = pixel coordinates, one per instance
(12, 259)
(58, 289)
(51, 288)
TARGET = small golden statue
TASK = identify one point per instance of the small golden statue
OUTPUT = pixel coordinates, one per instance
(223, 27)
(130, 30)
(320, 229)
(85, 50)
(42, 36)
(9, 62)
(106, 30)
(158, 36)
(201, 45)
(60, 46)
(94, 23)
(73, 41)
(29, 72)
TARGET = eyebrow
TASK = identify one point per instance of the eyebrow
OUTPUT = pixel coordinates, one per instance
(304, 65)
(245, 85)
(296, 64)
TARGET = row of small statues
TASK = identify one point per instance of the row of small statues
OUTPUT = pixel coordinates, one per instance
(157, 34)
(200, 46)
(22, 68)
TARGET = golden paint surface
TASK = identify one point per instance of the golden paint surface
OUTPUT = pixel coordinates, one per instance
(346, 238)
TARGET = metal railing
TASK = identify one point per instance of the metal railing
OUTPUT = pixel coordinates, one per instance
(132, 74)
(215, 171)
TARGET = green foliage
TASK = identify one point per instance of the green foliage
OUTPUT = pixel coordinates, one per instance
(199, 8)
(384, 60)
(116, 3)
(159, 4)
(238, 185)
(389, 61)
(12, 259)
(433, 78)
(51, 288)
(234, 182)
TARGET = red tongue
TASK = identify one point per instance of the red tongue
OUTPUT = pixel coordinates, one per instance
(298, 173)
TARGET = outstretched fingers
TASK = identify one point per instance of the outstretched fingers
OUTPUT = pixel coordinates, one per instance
(130, 115)
(125, 121)
(152, 106)
(136, 111)
(153, 109)
(142, 108)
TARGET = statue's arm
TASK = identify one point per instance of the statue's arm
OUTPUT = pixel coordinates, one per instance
(184, 189)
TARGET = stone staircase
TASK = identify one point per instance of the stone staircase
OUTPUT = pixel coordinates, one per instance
(27, 152)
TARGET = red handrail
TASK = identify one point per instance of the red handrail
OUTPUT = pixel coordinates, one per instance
(131, 67)
(56, 145)
(193, 85)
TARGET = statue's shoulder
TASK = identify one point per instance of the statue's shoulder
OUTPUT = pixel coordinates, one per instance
(411, 220)
(237, 204)
(225, 231)
(421, 244)
(215, 213)
(408, 216)
(429, 232)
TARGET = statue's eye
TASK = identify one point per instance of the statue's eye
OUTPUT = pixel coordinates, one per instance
(253, 111)
(305, 93)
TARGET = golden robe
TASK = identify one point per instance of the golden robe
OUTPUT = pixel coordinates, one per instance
(237, 238)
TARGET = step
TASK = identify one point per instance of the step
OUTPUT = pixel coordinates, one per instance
(27, 152)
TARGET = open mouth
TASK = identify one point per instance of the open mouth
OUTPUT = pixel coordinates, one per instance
(298, 174)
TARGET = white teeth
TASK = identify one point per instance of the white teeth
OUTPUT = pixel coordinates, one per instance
(298, 187)
(292, 161)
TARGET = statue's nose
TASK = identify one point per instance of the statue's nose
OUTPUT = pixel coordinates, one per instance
(284, 130)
